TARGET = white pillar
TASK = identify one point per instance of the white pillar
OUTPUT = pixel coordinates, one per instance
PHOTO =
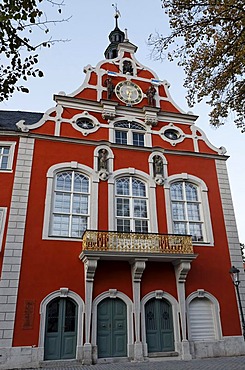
(90, 264)
(138, 266)
(182, 268)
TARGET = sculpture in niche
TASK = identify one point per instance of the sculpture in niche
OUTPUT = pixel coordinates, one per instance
(103, 164)
(110, 87)
(158, 169)
(127, 67)
(103, 159)
(150, 93)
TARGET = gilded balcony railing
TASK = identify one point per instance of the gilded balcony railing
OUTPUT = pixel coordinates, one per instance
(112, 241)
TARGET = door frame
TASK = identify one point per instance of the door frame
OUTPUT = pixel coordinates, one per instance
(159, 294)
(62, 293)
(114, 293)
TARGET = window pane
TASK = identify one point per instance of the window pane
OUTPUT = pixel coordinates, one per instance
(124, 124)
(140, 209)
(122, 186)
(62, 202)
(138, 188)
(53, 316)
(191, 192)
(70, 316)
(63, 181)
(180, 228)
(5, 150)
(193, 212)
(123, 207)
(177, 191)
(61, 225)
(4, 162)
(123, 225)
(81, 183)
(79, 225)
(121, 137)
(138, 139)
(80, 204)
(141, 226)
(178, 211)
(196, 232)
(136, 126)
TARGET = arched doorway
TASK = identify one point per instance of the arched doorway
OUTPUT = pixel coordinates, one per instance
(112, 328)
(60, 329)
(159, 326)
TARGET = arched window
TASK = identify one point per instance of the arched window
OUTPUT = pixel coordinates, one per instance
(70, 204)
(131, 205)
(131, 133)
(186, 210)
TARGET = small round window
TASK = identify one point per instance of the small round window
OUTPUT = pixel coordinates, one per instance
(172, 134)
(85, 123)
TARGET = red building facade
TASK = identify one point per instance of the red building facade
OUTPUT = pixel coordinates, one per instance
(116, 226)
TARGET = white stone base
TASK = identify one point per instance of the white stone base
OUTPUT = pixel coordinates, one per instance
(20, 357)
(32, 357)
(228, 346)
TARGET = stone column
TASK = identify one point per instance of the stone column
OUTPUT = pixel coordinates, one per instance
(138, 266)
(90, 264)
(182, 268)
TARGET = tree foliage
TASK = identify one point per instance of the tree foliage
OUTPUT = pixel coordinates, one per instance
(19, 20)
(208, 39)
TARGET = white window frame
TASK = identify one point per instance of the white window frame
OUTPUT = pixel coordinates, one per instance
(71, 194)
(203, 192)
(200, 294)
(151, 195)
(3, 214)
(146, 131)
(130, 197)
(11, 145)
(93, 207)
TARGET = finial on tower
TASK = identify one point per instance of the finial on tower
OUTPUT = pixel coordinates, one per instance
(117, 13)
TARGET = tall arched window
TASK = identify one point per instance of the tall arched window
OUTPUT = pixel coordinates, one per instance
(186, 210)
(70, 204)
(131, 205)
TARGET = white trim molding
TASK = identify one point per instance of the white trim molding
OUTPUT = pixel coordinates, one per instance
(3, 214)
(114, 293)
(11, 145)
(63, 293)
(160, 294)
(93, 209)
(202, 294)
(203, 192)
(151, 193)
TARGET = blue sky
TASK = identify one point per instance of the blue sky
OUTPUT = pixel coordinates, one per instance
(88, 29)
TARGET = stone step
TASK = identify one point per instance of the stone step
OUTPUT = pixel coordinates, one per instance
(60, 363)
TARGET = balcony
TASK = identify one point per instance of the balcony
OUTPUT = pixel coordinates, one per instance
(124, 246)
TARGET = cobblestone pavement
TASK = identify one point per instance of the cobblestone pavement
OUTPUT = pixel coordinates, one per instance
(222, 363)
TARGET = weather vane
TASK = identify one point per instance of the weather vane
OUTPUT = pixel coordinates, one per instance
(117, 13)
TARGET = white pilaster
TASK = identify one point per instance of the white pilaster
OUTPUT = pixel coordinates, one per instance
(90, 265)
(14, 241)
(181, 271)
(230, 224)
(138, 267)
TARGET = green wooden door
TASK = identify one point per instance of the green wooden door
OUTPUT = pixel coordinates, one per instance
(159, 326)
(112, 328)
(61, 329)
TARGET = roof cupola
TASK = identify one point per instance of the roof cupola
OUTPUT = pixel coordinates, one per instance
(116, 37)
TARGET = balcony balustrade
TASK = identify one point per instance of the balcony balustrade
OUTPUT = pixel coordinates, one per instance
(112, 241)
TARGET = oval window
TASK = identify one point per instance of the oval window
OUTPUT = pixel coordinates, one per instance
(172, 134)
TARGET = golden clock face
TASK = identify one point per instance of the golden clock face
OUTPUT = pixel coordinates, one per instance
(128, 92)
